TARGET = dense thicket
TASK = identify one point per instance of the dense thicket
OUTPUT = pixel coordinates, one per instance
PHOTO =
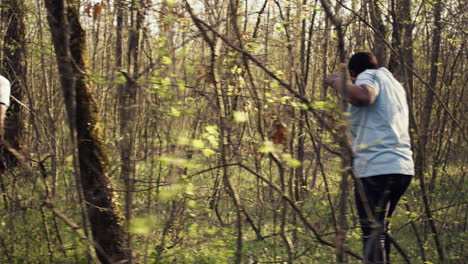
(223, 143)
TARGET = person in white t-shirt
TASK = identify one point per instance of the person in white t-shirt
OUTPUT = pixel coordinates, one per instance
(5, 90)
(382, 156)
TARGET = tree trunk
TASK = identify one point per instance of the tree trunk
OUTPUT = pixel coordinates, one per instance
(402, 42)
(127, 94)
(69, 42)
(423, 156)
(378, 24)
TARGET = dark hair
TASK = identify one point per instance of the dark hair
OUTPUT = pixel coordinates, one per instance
(362, 61)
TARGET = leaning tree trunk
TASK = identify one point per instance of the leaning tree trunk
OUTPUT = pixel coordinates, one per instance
(14, 69)
(104, 216)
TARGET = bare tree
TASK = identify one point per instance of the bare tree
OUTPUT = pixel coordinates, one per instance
(422, 157)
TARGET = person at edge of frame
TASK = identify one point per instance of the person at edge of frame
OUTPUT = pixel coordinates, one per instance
(5, 90)
(382, 158)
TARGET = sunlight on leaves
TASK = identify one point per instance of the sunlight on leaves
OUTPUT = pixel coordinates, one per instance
(240, 117)
(197, 144)
(183, 141)
(166, 60)
(290, 161)
(171, 192)
(179, 162)
(174, 112)
(120, 78)
(268, 147)
(171, 3)
(208, 152)
(143, 225)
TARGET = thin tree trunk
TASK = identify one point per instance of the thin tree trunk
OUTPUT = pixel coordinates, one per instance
(422, 158)
(343, 141)
(127, 94)
(126, 100)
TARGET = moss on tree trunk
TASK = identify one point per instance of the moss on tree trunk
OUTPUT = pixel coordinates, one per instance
(103, 212)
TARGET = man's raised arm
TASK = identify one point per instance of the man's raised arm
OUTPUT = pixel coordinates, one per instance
(358, 95)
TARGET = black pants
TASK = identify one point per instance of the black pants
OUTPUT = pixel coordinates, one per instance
(382, 194)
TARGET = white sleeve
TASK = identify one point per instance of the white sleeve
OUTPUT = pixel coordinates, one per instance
(368, 78)
(5, 90)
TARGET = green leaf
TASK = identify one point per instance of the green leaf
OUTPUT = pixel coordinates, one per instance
(120, 78)
(142, 225)
(166, 60)
(234, 69)
(174, 112)
(189, 189)
(208, 152)
(165, 82)
(240, 117)
(290, 161)
(181, 85)
(197, 144)
(171, 3)
(170, 192)
(192, 203)
(319, 105)
(268, 147)
(285, 99)
(179, 162)
(213, 130)
(183, 141)
(294, 163)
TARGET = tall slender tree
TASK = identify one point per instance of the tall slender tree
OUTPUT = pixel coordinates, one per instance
(423, 156)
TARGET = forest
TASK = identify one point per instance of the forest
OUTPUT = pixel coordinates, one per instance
(202, 131)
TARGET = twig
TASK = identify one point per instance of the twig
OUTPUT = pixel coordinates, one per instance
(75, 228)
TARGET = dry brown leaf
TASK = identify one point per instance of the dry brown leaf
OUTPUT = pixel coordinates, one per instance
(87, 9)
(278, 132)
(98, 10)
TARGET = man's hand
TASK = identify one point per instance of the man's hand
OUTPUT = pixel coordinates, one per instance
(2, 122)
(331, 79)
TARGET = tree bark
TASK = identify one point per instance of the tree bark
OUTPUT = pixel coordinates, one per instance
(69, 42)
(379, 44)
(402, 42)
